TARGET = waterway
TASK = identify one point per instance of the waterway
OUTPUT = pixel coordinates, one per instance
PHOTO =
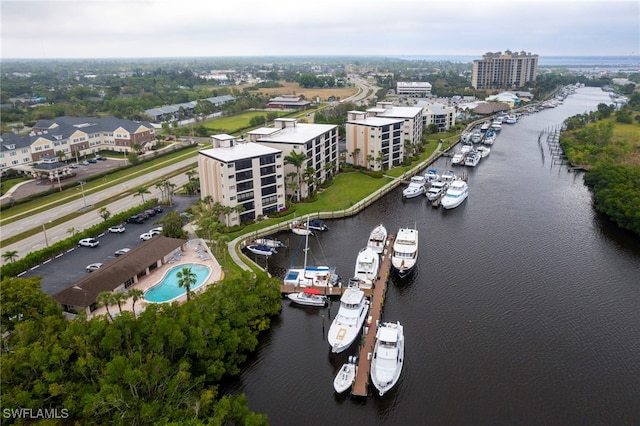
(524, 308)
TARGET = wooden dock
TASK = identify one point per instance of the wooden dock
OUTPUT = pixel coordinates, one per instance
(361, 384)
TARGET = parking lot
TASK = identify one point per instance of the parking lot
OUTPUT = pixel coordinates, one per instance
(64, 270)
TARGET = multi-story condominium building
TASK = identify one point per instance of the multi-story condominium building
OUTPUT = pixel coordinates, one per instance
(439, 114)
(374, 142)
(420, 89)
(73, 137)
(506, 70)
(242, 173)
(318, 142)
(359, 140)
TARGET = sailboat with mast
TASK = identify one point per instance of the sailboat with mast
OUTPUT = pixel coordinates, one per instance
(311, 276)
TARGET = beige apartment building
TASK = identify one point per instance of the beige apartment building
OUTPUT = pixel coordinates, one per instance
(506, 70)
(249, 174)
(381, 137)
(318, 142)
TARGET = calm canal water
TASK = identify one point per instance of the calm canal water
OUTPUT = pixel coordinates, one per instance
(524, 308)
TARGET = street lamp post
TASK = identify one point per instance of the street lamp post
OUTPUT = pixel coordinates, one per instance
(84, 200)
(44, 230)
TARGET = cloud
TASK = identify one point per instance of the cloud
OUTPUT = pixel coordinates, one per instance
(159, 28)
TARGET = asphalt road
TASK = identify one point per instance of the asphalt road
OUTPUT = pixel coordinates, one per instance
(51, 234)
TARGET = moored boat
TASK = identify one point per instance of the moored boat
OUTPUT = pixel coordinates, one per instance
(317, 225)
(484, 151)
(378, 238)
(269, 242)
(457, 192)
(431, 175)
(309, 297)
(346, 375)
(473, 158)
(367, 266)
(388, 357)
(261, 249)
(346, 325)
(405, 251)
(415, 188)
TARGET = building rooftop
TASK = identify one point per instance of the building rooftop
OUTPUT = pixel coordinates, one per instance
(239, 151)
(300, 133)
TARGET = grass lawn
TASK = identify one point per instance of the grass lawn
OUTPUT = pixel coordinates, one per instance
(238, 122)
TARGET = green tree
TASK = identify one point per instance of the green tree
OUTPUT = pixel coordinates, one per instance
(104, 213)
(297, 160)
(106, 299)
(140, 191)
(186, 278)
(135, 294)
(10, 255)
(172, 226)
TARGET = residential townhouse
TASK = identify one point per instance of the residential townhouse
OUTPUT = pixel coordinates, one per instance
(73, 137)
(319, 143)
(249, 174)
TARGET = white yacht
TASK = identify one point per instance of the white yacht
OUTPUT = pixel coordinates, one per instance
(415, 188)
(431, 175)
(378, 239)
(388, 357)
(269, 242)
(484, 151)
(367, 266)
(346, 326)
(473, 158)
(436, 190)
(405, 251)
(448, 176)
(458, 157)
(457, 192)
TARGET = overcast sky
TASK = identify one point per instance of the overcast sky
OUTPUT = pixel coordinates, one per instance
(183, 28)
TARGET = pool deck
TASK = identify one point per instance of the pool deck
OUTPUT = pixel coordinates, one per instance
(191, 254)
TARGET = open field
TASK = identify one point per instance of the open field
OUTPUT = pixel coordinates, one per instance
(310, 94)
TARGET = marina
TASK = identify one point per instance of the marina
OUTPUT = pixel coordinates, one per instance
(511, 325)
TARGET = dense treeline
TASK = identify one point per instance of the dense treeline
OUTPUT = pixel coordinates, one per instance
(162, 366)
(607, 144)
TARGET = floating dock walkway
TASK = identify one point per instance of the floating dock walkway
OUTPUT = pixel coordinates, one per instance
(361, 384)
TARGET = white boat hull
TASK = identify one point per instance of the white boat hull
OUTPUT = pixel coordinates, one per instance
(306, 299)
(378, 239)
(405, 251)
(346, 325)
(345, 377)
(388, 357)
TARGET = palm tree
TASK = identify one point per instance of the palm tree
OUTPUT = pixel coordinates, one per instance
(135, 294)
(73, 231)
(355, 154)
(370, 159)
(297, 160)
(104, 213)
(380, 159)
(186, 279)
(106, 299)
(140, 191)
(118, 298)
(10, 255)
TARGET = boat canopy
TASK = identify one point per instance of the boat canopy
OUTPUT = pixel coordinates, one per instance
(311, 291)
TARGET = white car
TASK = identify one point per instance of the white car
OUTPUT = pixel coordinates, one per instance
(155, 231)
(146, 236)
(93, 266)
(122, 251)
(117, 229)
(88, 242)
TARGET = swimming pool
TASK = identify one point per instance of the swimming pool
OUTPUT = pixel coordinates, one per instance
(168, 289)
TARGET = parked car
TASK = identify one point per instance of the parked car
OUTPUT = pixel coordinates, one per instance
(73, 166)
(93, 266)
(150, 212)
(122, 251)
(88, 242)
(136, 218)
(158, 209)
(84, 163)
(93, 161)
(156, 231)
(101, 158)
(118, 229)
(146, 236)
